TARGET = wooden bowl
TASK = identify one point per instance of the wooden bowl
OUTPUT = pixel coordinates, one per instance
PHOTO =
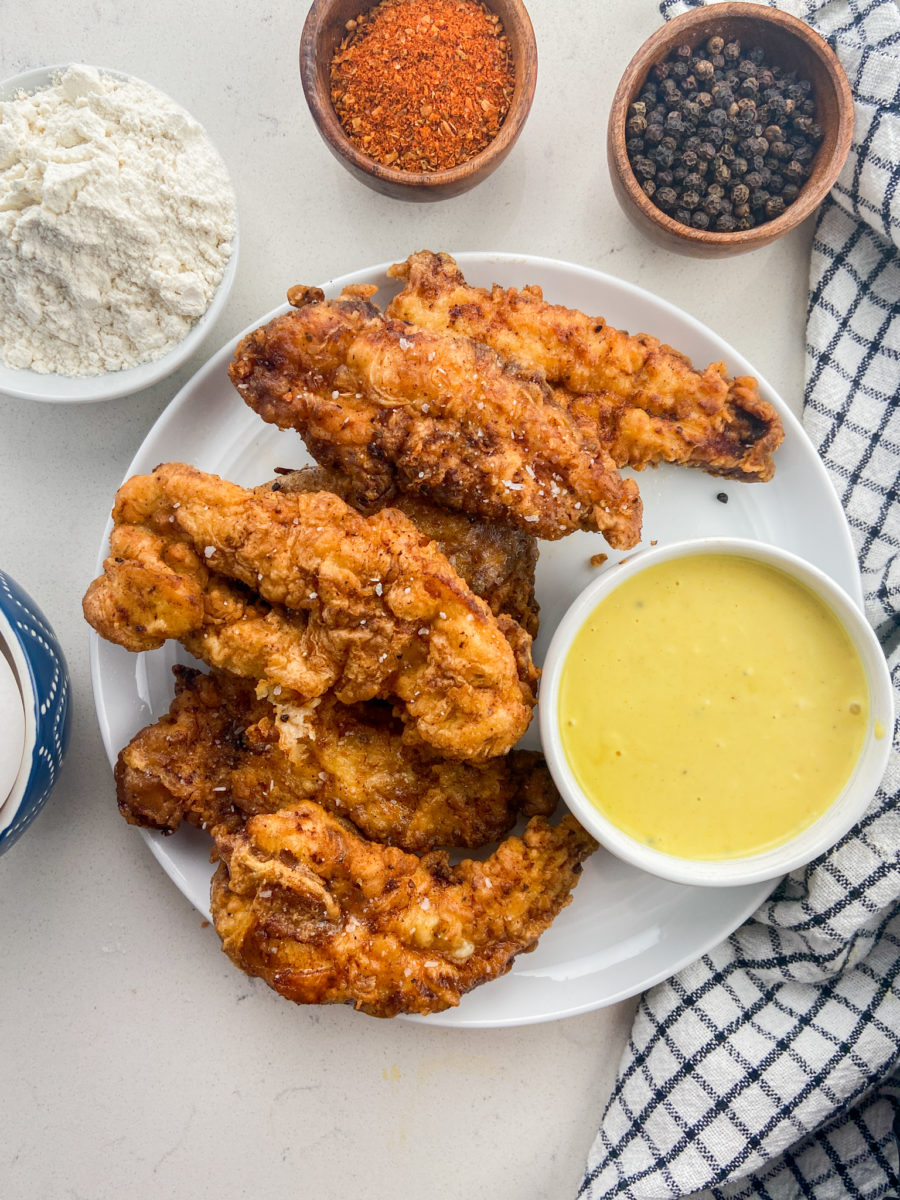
(323, 32)
(789, 43)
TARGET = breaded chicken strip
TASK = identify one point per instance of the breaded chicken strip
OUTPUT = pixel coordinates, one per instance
(221, 755)
(365, 606)
(324, 916)
(643, 400)
(430, 414)
(497, 562)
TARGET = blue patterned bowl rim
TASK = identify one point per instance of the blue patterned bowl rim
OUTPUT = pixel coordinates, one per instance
(43, 677)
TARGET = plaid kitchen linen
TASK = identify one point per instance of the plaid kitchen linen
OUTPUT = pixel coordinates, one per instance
(769, 1068)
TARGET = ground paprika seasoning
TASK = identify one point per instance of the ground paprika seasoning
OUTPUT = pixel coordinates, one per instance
(423, 85)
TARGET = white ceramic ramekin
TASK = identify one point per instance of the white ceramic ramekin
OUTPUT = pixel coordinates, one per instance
(847, 807)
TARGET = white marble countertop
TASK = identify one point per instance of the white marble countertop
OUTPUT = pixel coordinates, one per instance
(135, 1059)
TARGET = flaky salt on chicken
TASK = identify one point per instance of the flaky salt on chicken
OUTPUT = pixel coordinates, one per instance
(439, 416)
(644, 401)
(221, 754)
(324, 916)
(301, 592)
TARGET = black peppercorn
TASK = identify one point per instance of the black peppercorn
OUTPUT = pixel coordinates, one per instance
(722, 94)
(643, 167)
(721, 172)
(725, 223)
(648, 187)
(653, 134)
(758, 198)
(636, 125)
(790, 193)
(774, 207)
(732, 51)
(666, 197)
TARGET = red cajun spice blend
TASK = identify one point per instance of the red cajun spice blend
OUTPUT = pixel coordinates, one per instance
(423, 85)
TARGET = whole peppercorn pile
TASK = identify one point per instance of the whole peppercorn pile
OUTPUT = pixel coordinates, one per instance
(423, 85)
(719, 140)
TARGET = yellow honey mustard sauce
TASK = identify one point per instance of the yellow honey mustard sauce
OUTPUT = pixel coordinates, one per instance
(712, 706)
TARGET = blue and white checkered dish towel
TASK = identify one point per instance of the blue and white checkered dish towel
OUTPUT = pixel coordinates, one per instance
(770, 1068)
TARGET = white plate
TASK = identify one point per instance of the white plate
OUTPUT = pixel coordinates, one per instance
(25, 384)
(625, 929)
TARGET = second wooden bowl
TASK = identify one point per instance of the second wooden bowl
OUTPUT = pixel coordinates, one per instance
(323, 31)
(787, 42)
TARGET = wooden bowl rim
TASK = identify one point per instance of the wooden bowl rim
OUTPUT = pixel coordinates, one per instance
(809, 198)
(331, 129)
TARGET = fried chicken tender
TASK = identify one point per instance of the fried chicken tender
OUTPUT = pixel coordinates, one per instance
(431, 414)
(324, 916)
(498, 563)
(365, 606)
(222, 754)
(644, 401)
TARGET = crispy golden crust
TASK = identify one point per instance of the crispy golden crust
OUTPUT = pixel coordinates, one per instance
(324, 599)
(497, 562)
(221, 755)
(644, 401)
(431, 414)
(325, 917)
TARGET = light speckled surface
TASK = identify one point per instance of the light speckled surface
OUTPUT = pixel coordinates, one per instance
(136, 1060)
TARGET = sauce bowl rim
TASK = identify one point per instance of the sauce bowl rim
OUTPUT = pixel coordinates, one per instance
(843, 812)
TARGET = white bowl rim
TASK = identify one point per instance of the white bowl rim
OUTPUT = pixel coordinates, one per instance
(25, 384)
(839, 817)
(10, 805)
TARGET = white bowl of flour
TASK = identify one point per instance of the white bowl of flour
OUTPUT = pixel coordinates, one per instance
(118, 235)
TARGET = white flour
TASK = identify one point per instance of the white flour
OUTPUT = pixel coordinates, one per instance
(116, 220)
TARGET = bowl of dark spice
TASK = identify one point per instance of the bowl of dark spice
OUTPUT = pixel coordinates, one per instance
(419, 99)
(728, 128)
